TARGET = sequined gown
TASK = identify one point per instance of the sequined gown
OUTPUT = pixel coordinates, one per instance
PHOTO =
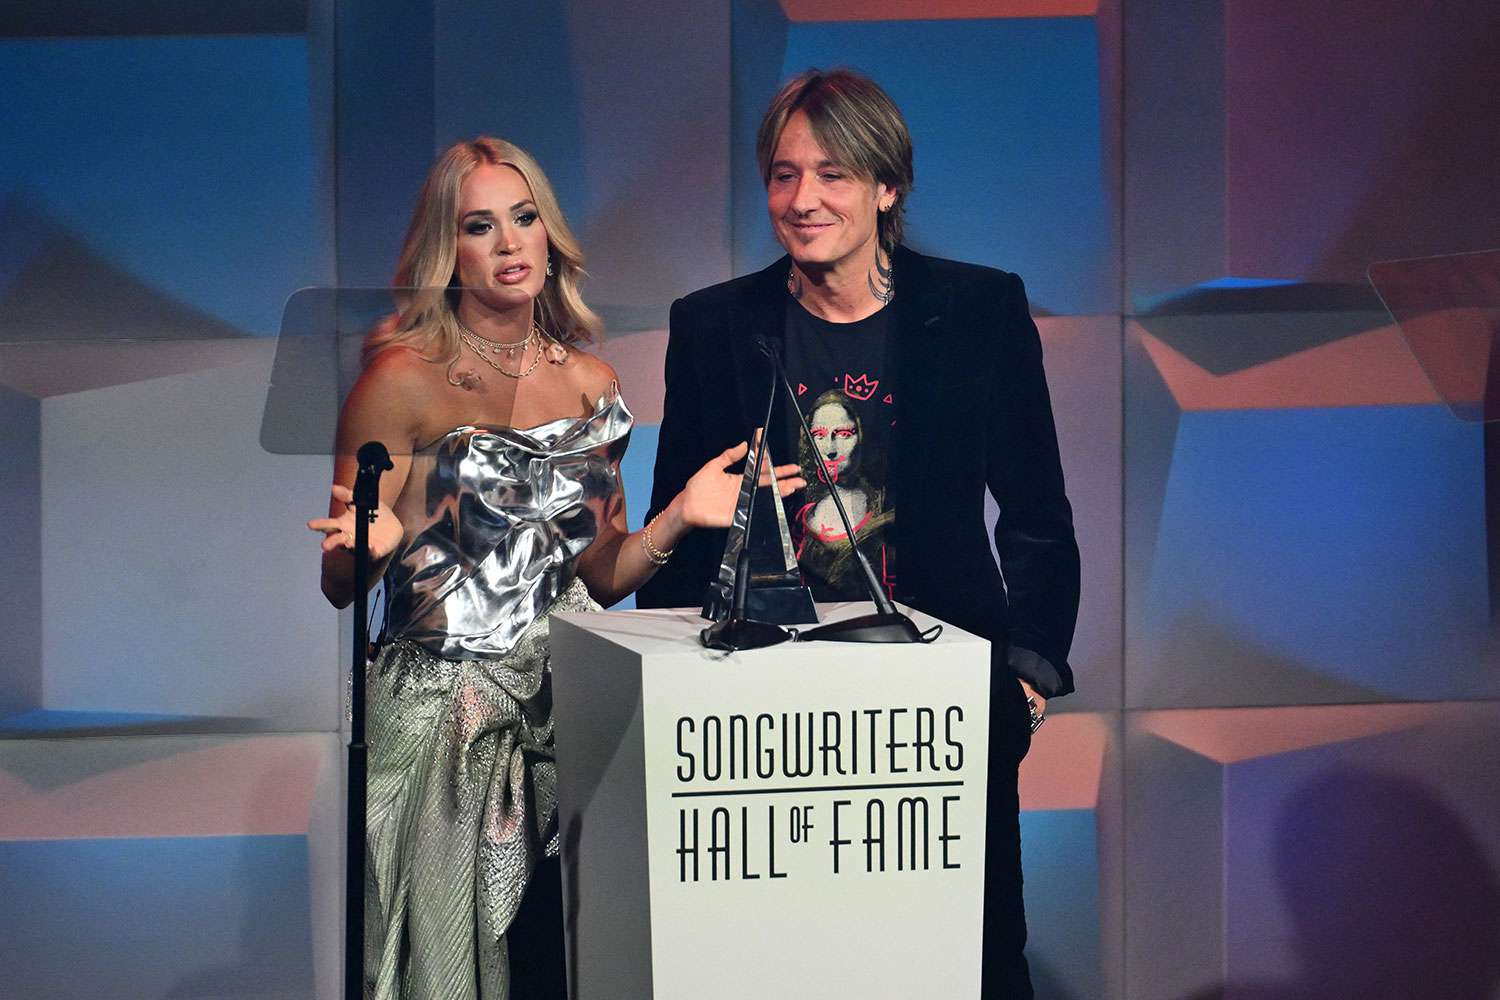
(462, 786)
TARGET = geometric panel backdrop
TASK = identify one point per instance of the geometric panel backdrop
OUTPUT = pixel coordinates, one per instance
(1313, 851)
(1277, 776)
(171, 866)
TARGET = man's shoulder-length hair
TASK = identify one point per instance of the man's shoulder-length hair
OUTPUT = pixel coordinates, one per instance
(858, 126)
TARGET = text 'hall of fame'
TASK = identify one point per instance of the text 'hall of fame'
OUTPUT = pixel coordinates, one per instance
(848, 791)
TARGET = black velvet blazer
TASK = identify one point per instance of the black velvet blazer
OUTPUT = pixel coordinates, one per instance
(973, 414)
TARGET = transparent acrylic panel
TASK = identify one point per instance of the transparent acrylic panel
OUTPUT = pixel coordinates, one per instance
(1448, 309)
(325, 332)
(168, 581)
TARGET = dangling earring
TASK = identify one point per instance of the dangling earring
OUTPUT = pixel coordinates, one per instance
(549, 265)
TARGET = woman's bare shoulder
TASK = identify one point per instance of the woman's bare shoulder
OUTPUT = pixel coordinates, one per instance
(592, 375)
(399, 363)
(394, 390)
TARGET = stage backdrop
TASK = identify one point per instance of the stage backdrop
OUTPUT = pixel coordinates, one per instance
(1278, 775)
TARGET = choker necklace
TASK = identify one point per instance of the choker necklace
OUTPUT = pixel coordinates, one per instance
(545, 343)
(481, 344)
(883, 288)
(485, 348)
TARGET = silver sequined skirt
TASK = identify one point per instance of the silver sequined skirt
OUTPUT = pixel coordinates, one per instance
(462, 805)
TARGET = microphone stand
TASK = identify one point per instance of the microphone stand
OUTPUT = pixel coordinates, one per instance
(886, 624)
(736, 631)
(373, 460)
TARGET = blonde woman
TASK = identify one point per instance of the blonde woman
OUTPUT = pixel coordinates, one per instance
(504, 505)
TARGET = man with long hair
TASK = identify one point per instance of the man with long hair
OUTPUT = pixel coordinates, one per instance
(938, 370)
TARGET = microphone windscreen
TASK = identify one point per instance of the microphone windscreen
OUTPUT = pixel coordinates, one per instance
(373, 454)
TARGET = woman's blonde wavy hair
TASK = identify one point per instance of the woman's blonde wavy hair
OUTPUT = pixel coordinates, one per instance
(427, 285)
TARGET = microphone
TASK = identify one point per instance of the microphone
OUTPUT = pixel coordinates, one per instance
(373, 453)
(886, 624)
(373, 459)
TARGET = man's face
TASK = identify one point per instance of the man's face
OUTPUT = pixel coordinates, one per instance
(823, 213)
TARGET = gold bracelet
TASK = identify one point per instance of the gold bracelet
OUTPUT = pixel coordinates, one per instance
(656, 555)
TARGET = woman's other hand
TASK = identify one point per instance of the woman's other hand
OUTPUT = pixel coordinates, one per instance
(709, 498)
(338, 532)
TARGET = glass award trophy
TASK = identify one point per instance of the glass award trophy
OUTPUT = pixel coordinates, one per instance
(776, 593)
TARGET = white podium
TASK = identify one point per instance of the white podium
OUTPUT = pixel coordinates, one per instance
(800, 821)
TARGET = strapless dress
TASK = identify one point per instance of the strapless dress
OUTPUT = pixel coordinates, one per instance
(462, 785)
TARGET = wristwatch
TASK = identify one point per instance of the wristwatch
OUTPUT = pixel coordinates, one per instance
(1037, 718)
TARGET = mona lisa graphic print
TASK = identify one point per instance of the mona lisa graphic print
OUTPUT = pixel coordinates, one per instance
(846, 390)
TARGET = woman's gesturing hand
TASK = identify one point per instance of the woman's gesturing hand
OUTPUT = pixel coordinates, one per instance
(709, 497)
(338, 532)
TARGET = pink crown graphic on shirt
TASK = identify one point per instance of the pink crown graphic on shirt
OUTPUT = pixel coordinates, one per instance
(861, 388)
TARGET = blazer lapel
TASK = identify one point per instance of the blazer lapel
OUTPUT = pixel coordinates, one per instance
(761, 313)
(922, 313)
(923, 309)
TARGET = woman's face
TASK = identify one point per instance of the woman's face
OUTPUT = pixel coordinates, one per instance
(502, 242)
(837, 435)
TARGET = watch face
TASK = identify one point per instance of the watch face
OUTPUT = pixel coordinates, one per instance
(1036, 718)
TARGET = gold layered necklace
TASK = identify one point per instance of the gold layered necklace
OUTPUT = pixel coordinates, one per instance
(486, 348)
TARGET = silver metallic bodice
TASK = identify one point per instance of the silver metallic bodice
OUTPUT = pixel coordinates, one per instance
(495, 519)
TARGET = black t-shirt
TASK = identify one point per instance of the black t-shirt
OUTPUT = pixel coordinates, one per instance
(844, 377)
